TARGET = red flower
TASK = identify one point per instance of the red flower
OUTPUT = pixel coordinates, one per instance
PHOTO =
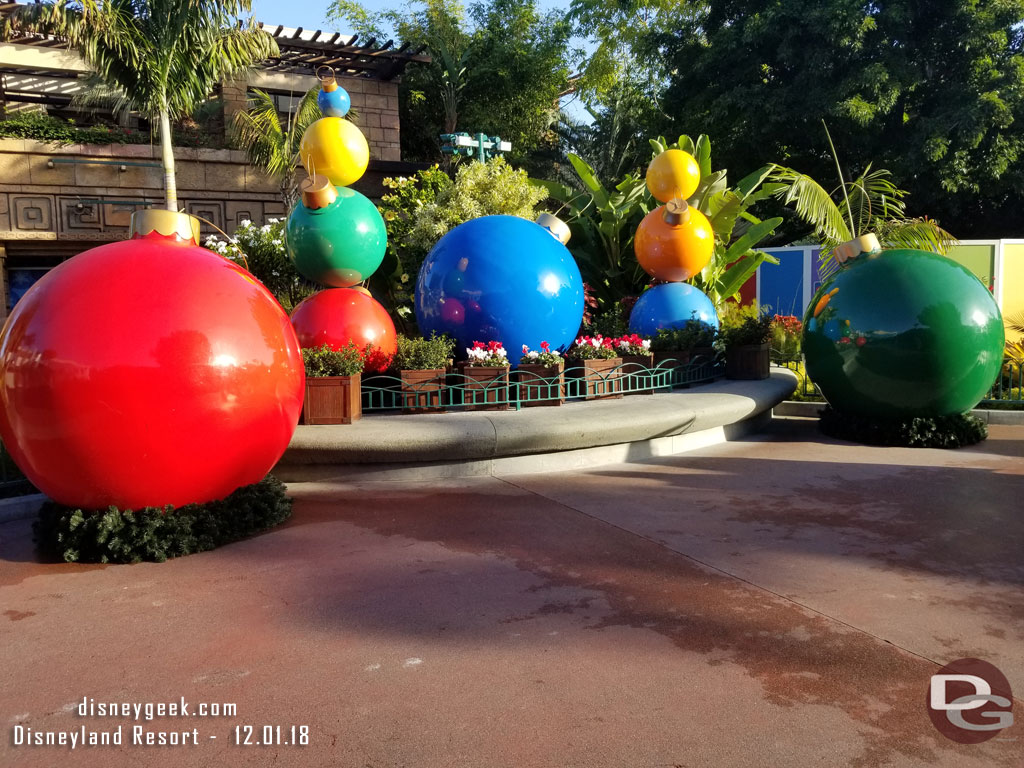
(478, 345)
(861, 341)
(844, 340)
(544, 345)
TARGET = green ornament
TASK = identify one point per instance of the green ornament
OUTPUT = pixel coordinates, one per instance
(340, 244)
(903, 333)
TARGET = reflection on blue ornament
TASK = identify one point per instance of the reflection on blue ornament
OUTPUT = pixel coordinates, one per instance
(670, 305)
(334, 103)
(500, 278)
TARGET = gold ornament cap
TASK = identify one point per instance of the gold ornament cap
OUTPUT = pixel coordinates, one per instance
(851, 249)
(676, 212)
(317, 191)
(554, 225)
(166, 223)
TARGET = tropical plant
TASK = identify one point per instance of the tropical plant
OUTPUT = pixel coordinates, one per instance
(271, 146)
(603, 222)
(737, 231)
(750, 329)
(787, 333)
(162, 57)
(871, 203)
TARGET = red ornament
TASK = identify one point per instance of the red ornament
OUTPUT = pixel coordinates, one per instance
(148, 372)
(336, 316)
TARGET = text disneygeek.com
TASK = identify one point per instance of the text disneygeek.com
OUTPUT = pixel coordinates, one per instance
(244, 735)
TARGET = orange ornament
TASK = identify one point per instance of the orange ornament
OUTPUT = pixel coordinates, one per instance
(674, 242)
(672, 174)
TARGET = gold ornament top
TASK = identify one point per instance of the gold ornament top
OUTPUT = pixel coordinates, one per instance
(558, 228)
(166, 223)
(851, 249)
(677, 212)
(317, 191)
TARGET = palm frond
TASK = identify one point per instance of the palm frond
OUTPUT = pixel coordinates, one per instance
(812, 203)
(920, 234)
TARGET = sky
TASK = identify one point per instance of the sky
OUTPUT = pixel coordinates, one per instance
(312, 14)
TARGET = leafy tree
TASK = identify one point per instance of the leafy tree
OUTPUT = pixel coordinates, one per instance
(934, 91)
(498, 69)
(271, 146)
(163, 57)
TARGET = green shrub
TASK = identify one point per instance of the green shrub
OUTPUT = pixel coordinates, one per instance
(612, 323)
(325, 361)
(952, 431)
(695, 333)
(419, 354)
(54, 130)
(741, 326)
(479, 189)
(156, 534)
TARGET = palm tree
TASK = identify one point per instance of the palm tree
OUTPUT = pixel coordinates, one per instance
(162, 57)
(271, 146)
(871, 203)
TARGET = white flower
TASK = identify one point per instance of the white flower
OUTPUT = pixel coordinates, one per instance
(245, 223)
(533, 355)
(646, 344)
(265, 228)
(273, 221)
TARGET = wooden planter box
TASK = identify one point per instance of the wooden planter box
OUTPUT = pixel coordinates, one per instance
(599, 378)
(678, 356)
(484, 387)
(541, 384)
(749, 361)
(636, 371)
(332, 400)
(421, 390)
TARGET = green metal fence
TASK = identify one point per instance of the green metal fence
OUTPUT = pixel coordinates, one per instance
(519, 389)
(1007, 391)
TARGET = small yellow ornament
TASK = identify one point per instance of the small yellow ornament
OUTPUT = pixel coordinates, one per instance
(673, 173)
(334, 147)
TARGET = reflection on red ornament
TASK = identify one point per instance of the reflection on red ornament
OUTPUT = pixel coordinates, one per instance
(337, 316)
(148, 372)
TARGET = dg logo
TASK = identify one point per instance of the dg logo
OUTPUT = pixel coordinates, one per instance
(970, 701)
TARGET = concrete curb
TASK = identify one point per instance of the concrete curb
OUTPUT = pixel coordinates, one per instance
(810, 410)
(20, 507)
(534, 439)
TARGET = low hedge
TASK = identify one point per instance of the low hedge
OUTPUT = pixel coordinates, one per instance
(155, 534)
(953, 431)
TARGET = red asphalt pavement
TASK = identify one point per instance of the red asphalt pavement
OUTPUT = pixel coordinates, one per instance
(777, 601)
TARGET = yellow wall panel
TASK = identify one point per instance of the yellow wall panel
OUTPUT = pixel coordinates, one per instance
(1013, 284)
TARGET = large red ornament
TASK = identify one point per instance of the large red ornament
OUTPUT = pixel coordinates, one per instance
(336, 316)
(148, 372)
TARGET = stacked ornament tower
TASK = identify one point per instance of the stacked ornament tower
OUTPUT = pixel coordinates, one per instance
(673, 243)
(336, 237)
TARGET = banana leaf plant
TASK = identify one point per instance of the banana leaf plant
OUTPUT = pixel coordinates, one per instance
(737, 231)
(603, 222)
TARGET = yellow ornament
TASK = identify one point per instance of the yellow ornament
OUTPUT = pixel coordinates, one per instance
(332, 146)
(673, 173)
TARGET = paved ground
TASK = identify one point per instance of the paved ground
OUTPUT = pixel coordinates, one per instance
(779, 601)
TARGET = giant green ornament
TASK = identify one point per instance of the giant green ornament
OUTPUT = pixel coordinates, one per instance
(340, 244)
(903, 333)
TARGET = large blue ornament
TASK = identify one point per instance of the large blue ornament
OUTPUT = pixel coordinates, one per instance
(334, 103)
(903, 333)
(500, 278)
(670, 305)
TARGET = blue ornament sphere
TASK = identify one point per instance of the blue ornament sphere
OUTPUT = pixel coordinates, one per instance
(670, 305)
(510, 280)
(334, 103)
